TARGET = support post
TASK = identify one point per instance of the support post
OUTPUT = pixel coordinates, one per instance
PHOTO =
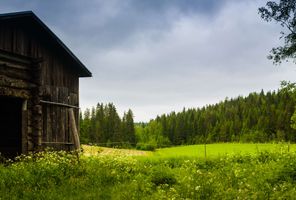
(74, 129)
(36, 107)
(24, 127)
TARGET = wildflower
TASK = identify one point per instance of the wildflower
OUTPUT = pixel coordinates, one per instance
(197, 187)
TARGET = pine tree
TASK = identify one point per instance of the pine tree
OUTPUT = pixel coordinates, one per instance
(129, 129)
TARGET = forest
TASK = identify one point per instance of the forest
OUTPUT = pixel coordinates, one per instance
(258, 117)
(102, 125)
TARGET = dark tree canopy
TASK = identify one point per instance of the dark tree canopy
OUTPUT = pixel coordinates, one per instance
(283, 12)
(102, 125)
(259, 117)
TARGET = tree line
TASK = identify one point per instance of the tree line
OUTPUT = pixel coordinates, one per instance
(259, 117)
(102, 125)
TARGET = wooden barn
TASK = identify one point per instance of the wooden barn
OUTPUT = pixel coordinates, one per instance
(39, 87)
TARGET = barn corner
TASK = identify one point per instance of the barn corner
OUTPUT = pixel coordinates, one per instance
(39, 87)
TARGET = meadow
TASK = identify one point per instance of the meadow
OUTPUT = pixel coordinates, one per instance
(230, 171)
(222, 149)
(199, 151)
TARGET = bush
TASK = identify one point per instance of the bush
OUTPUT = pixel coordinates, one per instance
(162, 175)
(146, 147)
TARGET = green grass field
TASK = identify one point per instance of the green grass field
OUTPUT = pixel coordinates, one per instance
(231, 171)
(221, 149)
(194, 151)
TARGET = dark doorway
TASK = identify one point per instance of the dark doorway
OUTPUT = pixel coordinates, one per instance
(10, 126)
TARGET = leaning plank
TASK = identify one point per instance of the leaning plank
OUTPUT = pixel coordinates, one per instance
(74, 129)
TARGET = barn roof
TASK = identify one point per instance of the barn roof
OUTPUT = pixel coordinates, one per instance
(28, 17)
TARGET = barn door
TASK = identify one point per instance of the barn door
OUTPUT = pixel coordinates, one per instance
(10, 126)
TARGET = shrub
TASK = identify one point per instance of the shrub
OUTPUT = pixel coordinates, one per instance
(146, 147)
(162, 175)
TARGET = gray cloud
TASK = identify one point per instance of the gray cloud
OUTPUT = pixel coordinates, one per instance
(114, 22)
(157, 56)
(196, 62)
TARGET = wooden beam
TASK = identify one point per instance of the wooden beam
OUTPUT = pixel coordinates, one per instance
(18, 58)
(66, 143)
(59, 104)
(74, 129)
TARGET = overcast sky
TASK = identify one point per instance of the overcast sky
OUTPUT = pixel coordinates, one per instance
(156, 56)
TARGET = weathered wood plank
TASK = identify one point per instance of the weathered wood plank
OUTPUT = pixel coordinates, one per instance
(15, 83)
(12, 92)
(24, 127)
(7, 70)
(74, 129)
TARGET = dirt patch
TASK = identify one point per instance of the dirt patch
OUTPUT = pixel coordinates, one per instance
(95, 150)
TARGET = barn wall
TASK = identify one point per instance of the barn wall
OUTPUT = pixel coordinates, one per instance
(16, 81)
(58, 83)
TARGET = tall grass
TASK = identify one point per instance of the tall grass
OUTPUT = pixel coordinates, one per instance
(59, 175)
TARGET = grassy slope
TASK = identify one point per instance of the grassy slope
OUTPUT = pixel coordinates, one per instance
(216, 150)
(193, 151)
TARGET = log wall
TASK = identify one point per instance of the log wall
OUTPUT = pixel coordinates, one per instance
(33, 69)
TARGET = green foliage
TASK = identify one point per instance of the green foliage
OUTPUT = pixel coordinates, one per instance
(162, 175)
(151, 136)
(58, 175)
(284, 13)
(289, 88)
(102, 125)
(259, 117)
(146, 146)
(293, 120)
